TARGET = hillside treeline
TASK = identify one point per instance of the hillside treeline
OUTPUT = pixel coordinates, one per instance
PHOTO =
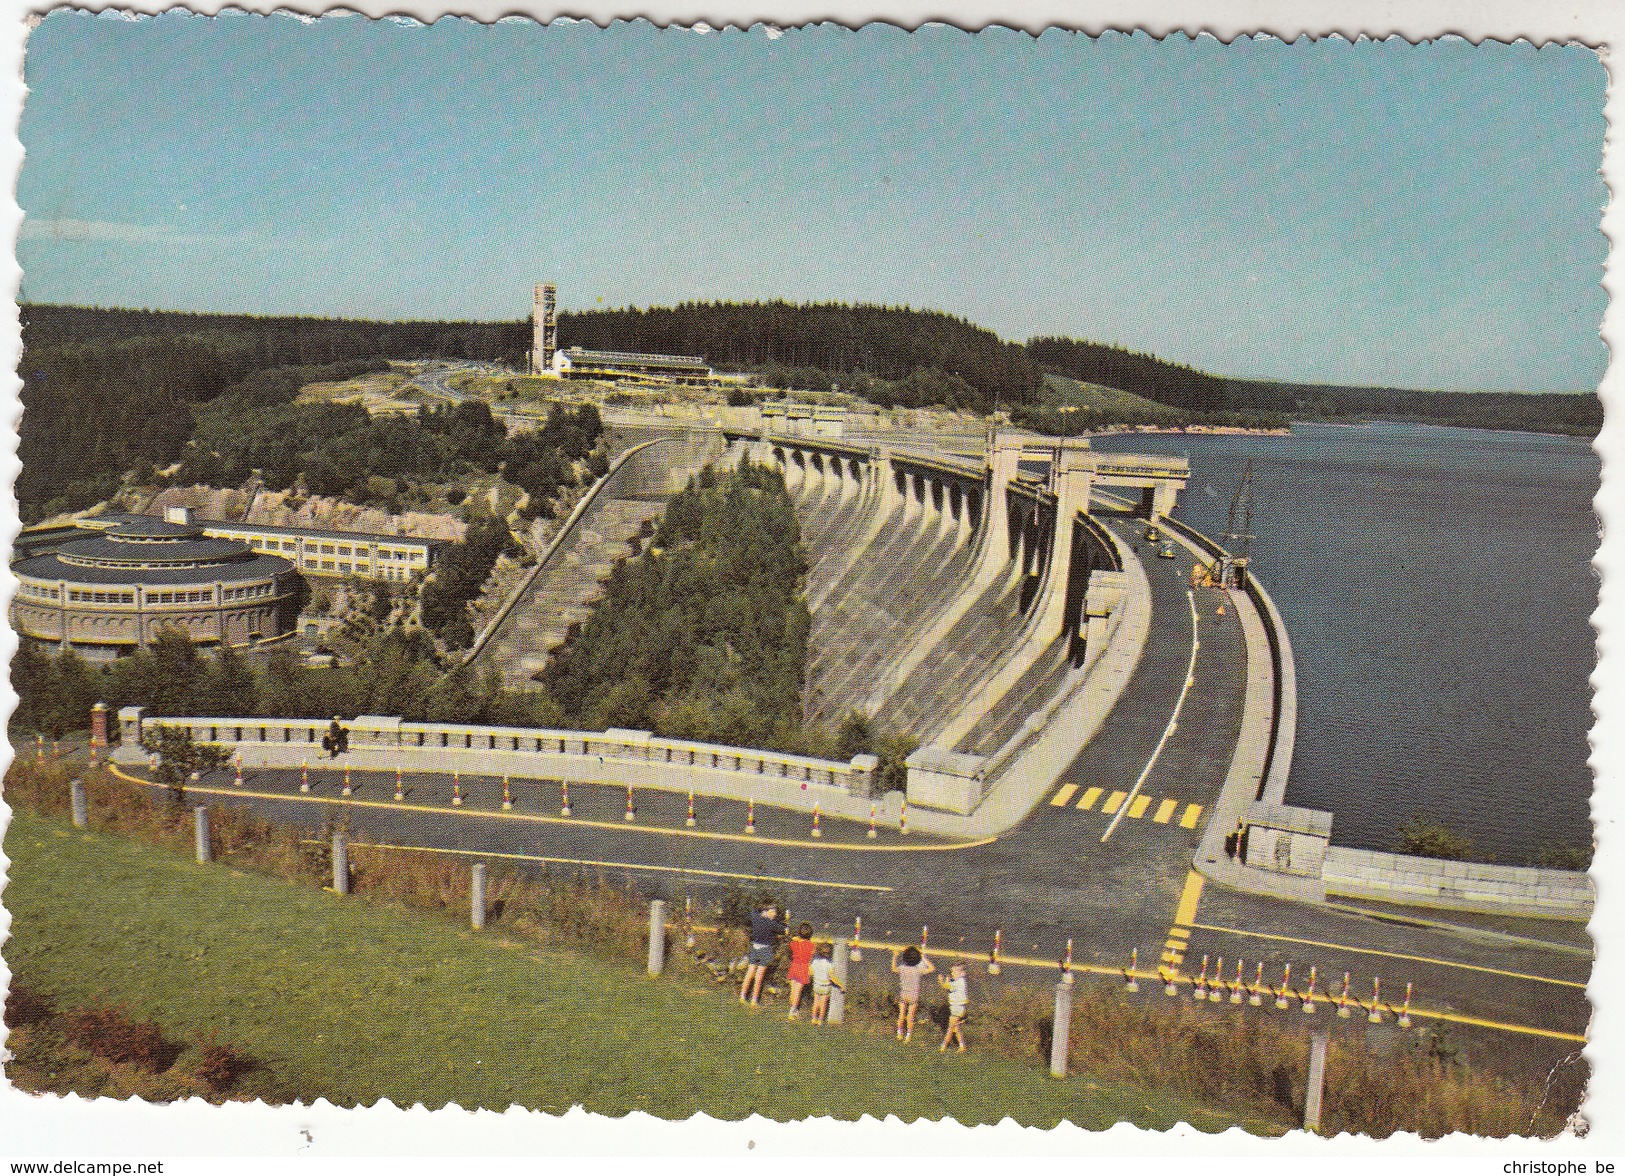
(395, 673)
(882, 343)
(223, 400)
(340, 451)
(1214, 396)
(705, 637)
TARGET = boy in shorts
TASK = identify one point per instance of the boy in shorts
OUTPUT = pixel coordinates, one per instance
(764, 937)
(823, 981)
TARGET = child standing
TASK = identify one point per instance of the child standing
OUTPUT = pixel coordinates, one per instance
(914, 965)
(801, 957)
(823, 980)
(958, 1001)
(764, 935)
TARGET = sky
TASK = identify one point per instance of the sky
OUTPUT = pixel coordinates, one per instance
(1422, 216)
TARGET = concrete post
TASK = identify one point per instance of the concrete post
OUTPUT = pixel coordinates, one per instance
(81, 804)
(341, 864)
(657, 936)
(1063, 1031)
(840, 958)
(200, 828)
(1317, 1081)
(476, 912)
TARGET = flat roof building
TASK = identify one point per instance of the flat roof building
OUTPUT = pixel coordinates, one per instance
(315, 551)
(579, 363)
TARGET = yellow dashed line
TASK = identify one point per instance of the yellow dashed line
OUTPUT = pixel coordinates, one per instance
(1137, 809)
(1395, 955)
(1064, 797)
(1192, 811)
(1165, 810)
(1180, 932)
(1114, 802)
(1089, 798)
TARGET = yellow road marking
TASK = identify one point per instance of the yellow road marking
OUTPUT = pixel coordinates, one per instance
(1169, 957)
(1393, 955)
(1089, 798)
(542, 819)
(558, 861)
(1164, 811)
(1114, 802)
(1178, 977)
(1188, 898)
(1137, 809)
(1192, 811)
(1180, 932)
(1064, 796)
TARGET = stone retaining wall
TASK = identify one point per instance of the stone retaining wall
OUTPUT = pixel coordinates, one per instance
(1475, 886)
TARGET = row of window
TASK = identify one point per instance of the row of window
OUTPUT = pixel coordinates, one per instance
(269, 545)
(178, 596)
(97, 596)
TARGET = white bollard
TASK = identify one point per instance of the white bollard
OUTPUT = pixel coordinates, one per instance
(657, 937)
(476, 906)
(341, 864)
(838, 973)
(200, 829)
(1063, 1029)
(1317, 1081)
(81, 804)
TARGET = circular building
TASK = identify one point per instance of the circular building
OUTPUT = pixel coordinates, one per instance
(109, 593)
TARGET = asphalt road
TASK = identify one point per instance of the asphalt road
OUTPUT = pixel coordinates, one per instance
(1110, 873)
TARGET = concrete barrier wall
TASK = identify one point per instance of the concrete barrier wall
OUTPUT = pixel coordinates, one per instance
(610, 757)
(1393, 877)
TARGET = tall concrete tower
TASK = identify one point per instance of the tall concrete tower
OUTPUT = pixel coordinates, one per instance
(544, 327)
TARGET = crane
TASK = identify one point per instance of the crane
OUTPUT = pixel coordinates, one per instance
(1230, 569)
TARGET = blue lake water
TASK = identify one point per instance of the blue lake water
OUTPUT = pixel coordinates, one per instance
(1436, 584)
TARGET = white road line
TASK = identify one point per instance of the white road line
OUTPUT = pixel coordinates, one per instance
(1173, 719)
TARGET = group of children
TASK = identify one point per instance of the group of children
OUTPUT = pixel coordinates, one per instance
(811, 965)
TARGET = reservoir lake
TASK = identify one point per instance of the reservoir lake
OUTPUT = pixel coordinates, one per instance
(1437, 588)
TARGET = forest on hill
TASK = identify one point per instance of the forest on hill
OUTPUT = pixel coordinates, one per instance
(1211, 397)
(106, 392)
(705, 636)
(887, 344)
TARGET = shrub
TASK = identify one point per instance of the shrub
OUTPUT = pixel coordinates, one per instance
(1564, 857)
(220, 1065)
(24, 1006)
(108, 1032)
(1423, 837)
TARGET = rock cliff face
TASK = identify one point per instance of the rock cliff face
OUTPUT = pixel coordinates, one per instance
(270, 508)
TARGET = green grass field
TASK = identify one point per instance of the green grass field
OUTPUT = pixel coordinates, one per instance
(357, 1001)
(1066, 391)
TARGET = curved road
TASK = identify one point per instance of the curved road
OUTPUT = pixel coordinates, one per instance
(1104, 861)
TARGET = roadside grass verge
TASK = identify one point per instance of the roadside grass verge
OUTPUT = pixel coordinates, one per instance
(355, 1001)
(318, 978)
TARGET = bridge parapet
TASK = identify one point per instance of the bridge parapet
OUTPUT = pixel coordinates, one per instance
(617, 755)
